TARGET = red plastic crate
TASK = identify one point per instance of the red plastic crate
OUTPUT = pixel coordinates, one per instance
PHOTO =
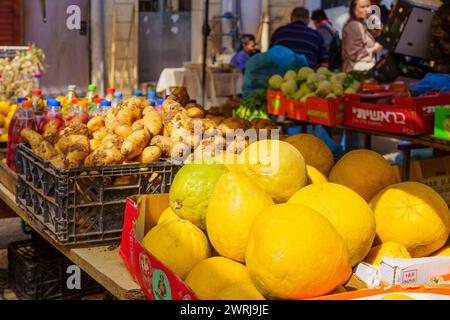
(279, 105)
(406, 115)
(327, 112)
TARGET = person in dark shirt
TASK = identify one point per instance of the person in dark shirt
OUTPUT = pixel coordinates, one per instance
(301, 39)
(248, 50)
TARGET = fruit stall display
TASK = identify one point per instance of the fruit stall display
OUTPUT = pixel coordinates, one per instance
(135, 132)
(17, 74)
(283, 222)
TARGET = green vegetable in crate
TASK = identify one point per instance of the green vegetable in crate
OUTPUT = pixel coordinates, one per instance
(337, 89)
(275, 82)
(289, 88)
(324, 71)
(309, 95)
(304, 72)
(304, 90)
(290, 75)
(324, 88)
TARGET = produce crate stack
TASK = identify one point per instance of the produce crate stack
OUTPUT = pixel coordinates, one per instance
(38, 272)
(440, 45)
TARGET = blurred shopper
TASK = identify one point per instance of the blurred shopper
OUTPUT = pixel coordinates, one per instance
(301, 39)
(248, 49)
(358, 44)
(330, 36)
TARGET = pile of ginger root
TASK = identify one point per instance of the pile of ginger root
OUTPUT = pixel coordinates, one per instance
(134, 132)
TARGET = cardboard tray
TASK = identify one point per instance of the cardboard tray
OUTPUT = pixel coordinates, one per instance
(156, 280)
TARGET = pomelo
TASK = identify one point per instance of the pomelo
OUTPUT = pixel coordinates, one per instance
(414, 215)
(276, 166)
(294, 252)
(208, 278)
(315, 152)
(178, 244)
(363, 171)
(191, 190)
(241, 291)
(388, 250)
(233, 206)
(346, 210)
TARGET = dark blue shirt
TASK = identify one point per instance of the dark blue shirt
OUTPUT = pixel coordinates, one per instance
(240, 59)
(301, 39)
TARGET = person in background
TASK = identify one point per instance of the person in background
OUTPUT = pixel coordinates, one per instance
(248, 49)
(324, 27)
(359, 47)
(301, 39)
(330, 36)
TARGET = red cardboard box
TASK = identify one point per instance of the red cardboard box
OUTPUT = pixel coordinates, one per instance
(406, 115)
(156, 280)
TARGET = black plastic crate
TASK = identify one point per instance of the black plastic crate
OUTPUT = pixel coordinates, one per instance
(84, 205)
(39, 272)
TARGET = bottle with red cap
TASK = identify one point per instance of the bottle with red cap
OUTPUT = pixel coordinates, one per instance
(38, 103)
(24, 117)
(110, 94)
(79, 112)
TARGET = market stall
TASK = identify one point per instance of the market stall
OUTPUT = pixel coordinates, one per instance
(159, 197)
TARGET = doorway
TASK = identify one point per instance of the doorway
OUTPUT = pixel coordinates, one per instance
(67, 51)
(164, 36)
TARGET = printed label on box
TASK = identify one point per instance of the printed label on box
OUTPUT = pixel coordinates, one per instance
(409, 276)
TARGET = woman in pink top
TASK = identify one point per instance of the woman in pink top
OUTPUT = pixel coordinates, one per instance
(358, 44)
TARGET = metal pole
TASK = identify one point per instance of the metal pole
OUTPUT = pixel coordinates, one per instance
(102, 47)
(206, 31)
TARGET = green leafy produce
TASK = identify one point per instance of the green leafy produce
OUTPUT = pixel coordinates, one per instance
(254, 108)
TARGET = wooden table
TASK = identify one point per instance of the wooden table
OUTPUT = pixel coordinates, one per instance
(102, 263)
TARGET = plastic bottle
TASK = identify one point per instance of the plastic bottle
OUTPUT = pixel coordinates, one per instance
(53, 117)
(152, 97)
(138, 93)
(24, 117)
(92, 93)
(79, 112)
(38, 103)
(104, 106)
(159, 104)
(110, 94)
(117, 99)
(96, 109)
(71, 93)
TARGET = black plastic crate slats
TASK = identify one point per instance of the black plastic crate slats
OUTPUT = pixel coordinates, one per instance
(83, 206)
(39, 273)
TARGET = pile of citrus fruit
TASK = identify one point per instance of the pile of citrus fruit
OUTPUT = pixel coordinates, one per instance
(286, 222)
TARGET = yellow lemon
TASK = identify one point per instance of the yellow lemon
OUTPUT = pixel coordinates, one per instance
(294, 252)
(208, 278)
(168, 214)
(315, 151)
(414, 215)
(388, 250)
(363, 171)
(178, 244)
(233, 206)
(240, 291)
(276, 166)
(4, 137)
(445, 251)
(347, 212)
(315, 176)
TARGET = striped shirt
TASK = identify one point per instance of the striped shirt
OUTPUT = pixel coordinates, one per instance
(301, 39)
